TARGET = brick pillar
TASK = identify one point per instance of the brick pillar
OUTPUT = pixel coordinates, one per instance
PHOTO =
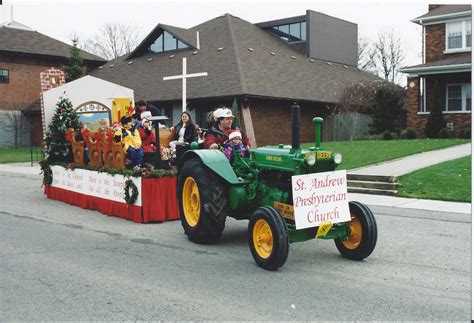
(50, 79)
(413, 96)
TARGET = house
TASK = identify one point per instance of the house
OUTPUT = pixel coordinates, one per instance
(24, 54)
(446, 64)
(262, 67)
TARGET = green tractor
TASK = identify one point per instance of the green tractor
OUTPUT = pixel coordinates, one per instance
(262, 189)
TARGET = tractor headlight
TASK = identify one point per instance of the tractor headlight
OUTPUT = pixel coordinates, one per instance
(310, 160)
(337, 158)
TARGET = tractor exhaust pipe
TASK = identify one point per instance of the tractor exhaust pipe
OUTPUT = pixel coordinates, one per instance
(295, 126)
(317, 131)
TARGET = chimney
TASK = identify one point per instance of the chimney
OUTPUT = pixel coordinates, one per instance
(433, 6)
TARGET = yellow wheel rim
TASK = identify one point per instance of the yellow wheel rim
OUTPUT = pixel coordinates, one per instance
(262, 239)
(355, 237)
(191, 202)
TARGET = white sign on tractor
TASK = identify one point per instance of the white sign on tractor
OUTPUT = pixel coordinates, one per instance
(320, 198)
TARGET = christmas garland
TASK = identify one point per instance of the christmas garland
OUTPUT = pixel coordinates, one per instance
(46, 171)
(129, 185)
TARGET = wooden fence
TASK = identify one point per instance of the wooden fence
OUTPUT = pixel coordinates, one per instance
(344, 127)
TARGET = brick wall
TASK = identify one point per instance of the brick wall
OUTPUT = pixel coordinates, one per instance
(272, 121)
(24, 86)
(436, 43)
(50, 79)
(413, 97)
(418, 121)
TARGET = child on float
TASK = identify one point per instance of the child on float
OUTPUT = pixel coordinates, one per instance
(130, 137)
(148, 141)
(235, 143)
(149, 144)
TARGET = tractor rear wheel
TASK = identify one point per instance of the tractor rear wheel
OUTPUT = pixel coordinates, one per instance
(363, 236)
(268, 238)
(203, 203)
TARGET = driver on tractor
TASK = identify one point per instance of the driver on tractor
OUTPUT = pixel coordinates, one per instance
(218, 134)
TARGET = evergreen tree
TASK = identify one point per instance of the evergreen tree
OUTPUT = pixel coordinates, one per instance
(435, 120)
(387, 110)
(75, 67)
(58, 149)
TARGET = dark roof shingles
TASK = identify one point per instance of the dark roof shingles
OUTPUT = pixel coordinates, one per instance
(34, 43)
(445, 10)
(457, 60)
(234, 70)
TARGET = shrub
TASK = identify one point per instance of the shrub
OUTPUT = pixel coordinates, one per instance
(387, 110)
(408, 134)
(435, 120)
(387, 135)
(444, 133)
(465, 134)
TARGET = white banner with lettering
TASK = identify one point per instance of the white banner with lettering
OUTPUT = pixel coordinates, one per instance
(320, 197)
(93, 183)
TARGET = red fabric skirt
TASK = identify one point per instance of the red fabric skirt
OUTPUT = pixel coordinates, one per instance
(159, 201)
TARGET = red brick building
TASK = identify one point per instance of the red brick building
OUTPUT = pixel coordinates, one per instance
(446, 64)
(24, 54)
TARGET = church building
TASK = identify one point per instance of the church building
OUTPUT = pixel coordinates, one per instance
(262, 68)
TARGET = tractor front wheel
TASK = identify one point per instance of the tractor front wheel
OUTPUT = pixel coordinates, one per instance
(268, 238)
(363, 233)
(203, 202)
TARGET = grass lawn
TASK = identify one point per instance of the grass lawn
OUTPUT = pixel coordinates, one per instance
(448, 181)
(17, 155)
(366, 152)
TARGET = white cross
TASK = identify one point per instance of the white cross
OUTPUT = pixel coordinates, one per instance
(184, 76)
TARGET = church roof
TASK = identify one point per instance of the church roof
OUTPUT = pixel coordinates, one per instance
(16, 38)
(240, 59)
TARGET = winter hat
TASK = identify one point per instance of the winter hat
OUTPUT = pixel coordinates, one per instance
(145, 115)
(235, 134)
(222, 113)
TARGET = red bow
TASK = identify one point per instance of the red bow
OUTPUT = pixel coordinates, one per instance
(131, 110)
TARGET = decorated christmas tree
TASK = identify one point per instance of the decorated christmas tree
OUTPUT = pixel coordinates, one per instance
(58, 149)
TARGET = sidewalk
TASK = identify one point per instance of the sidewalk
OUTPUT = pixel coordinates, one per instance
(406, 165)
(409, 164)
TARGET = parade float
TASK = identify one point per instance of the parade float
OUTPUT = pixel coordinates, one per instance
(85, 167)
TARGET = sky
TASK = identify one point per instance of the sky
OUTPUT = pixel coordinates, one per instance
(63, 19)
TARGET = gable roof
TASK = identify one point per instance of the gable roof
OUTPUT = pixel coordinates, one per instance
(443, 12)
(16, 38)
(240, 59)
(187, 36)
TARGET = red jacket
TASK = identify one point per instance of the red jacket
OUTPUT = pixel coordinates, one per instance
(148, 140)
(218, 137)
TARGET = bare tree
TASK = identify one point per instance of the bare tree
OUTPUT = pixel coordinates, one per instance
(12, 123)
(365, 55)
(388, 56)
(354, 103)
(112, 40)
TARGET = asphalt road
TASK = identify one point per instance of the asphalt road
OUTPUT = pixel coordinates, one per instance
(59, 262)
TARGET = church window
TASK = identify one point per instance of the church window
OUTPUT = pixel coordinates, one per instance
(167, 42)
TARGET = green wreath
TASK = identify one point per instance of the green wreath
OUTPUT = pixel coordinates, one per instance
(130, 198)
(47, 172)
